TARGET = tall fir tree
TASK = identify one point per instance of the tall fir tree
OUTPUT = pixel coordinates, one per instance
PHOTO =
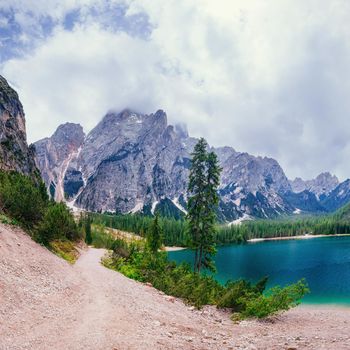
(88, 236)
(203, 199)
(208, 249)
(196, 200)
(155, 236)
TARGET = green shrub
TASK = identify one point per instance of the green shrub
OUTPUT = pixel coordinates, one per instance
(6, 220)
(130, 271)
(100, 238)
(243, 298)
(276, 299)
(87, 227)
(22, 199)
(57, 224)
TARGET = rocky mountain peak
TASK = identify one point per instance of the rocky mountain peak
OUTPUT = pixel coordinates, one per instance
(327, 178)
(224, 153)
(56, 154)
(322, 185)
(14, 151)
(69, 133)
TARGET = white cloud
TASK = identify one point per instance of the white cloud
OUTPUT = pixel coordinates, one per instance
(3, 22)
(267, 77)
(79, 76)
(53, 8)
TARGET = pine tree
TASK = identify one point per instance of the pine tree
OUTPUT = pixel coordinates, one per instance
(203, 199)
(88, 237)
(208, 249)
(196, 201)
(154, 236)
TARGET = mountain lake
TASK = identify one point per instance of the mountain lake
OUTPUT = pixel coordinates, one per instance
(323, 262)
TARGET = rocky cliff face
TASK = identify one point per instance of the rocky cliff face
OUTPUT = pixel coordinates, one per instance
(251, 185)
(55, 158)
(14, 151)
(338, 197)
(132, 162)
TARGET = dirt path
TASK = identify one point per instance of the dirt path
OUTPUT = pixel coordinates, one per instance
(47, 304)
(122, 314)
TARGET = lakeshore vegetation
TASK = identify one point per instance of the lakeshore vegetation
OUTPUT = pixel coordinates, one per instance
(176, 231)
(143, 261)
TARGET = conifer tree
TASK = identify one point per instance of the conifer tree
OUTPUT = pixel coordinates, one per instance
(208, 249)
(88, 237)
(154, 236)
(203, 199)
(196, 200)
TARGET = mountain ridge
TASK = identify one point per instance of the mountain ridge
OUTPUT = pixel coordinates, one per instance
(133, 162)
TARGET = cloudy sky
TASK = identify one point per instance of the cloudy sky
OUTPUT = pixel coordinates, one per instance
(267, 77)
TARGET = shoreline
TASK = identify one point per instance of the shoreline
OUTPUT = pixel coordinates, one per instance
(324, 306)
(174, 249)
(307, 236)
(257, 240)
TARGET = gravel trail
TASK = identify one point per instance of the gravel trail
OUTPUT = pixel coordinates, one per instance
(45, 303)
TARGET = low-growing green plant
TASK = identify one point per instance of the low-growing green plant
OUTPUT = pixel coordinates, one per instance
(100, 238)
(64, 249)
(275, 300)
(8, 221)
(57, 223)
(22, 199)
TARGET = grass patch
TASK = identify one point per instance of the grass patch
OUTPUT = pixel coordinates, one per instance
(101, 238)
(8, 221)
(65, 250)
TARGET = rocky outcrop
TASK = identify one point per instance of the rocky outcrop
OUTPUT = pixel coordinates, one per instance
(14, 151)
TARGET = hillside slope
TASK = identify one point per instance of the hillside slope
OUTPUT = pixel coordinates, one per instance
(47, 304)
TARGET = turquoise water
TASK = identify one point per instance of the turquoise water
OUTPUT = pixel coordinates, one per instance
(324, 262)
